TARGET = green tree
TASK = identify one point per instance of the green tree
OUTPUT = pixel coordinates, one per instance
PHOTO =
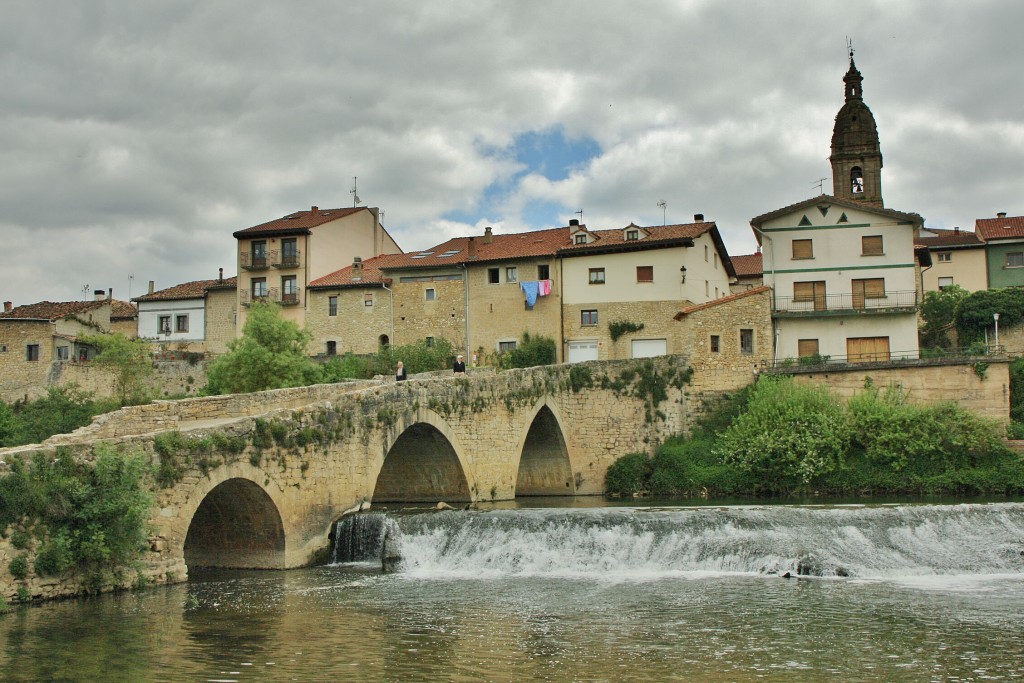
(270, 354)
(531, 351)
(128, 360)
(974, 314)
(939, 312)
(62, 410)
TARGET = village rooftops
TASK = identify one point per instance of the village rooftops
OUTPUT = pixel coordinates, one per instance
(897, 216)
(999, 228)
(748, 265)
(51, 310)
(367, 274)
(196, 289)
(298, 223)
(949, 239)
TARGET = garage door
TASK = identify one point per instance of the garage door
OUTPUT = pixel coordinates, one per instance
(648, 348)
(582, 350)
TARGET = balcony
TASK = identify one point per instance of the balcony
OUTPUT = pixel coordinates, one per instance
(288, 259)
(250, 261)
(273, 295)
(845, 304)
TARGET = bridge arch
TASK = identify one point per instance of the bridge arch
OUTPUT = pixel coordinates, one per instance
(234, 521)
(545, 468)
(423, 463)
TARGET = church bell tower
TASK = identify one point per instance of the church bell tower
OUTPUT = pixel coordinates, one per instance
(856, 156)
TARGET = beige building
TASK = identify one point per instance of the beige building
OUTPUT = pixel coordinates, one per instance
(196, 316)
(958, 258)
(278, 260)
(749, 272)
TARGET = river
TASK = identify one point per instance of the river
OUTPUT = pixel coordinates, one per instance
(876, 593)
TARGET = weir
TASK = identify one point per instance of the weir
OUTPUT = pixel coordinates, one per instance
(885, 542)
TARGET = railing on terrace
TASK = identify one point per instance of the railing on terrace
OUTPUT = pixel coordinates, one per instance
(273, 295)
(818, 362)
(891, 302)
(285, 260)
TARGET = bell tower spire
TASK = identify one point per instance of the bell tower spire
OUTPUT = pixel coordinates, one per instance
(856, 155)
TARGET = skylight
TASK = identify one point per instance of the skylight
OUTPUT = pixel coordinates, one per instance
(424, 254)
(451, 252)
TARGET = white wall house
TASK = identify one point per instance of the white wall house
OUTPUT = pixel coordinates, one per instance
(844, 281)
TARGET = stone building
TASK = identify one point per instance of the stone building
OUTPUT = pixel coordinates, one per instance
(197, 316)
(277, 260)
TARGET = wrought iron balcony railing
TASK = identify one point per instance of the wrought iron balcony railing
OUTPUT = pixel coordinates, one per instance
(272, 295)
(250, 261)
(826, 304)
(281, 259)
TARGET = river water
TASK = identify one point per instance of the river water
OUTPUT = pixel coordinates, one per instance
(876, 593)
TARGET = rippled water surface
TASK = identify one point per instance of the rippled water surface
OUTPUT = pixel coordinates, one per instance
(487, 620)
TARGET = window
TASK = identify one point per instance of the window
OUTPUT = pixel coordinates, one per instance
(367, 298)
(707, 288)
(944, 256)
(945, 282)
(163, 324)
(806, 347)
(856, 180)
(493, 276)
(581, 238)
(259, 287)
(632, 235)
(597, 276)
(32, 352)
(289, 289)
(746, 342)
(504, 346)
(871, 245)
(803, 249)
(810, 291)
(870, 288)
(645, 273)
(716, 343)
(259, 253)
(62, 353)
(181, 323)
(332, 348)
(431, 295)
(332, 306)
(543, 272)
(289, 252)
(430, 342)
(588, 318)
(705, 253)
(511, 274)
(716, 260)
(1015, 259)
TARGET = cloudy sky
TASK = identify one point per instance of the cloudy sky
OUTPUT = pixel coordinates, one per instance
(135, 137)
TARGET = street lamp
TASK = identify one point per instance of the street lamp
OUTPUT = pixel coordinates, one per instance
(996, 317)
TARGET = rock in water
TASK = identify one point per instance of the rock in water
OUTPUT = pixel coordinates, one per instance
(391, 556)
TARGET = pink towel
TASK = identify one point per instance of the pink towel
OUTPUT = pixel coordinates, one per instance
(545, 287)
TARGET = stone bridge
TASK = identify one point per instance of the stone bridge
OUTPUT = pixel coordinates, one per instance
(258, 480)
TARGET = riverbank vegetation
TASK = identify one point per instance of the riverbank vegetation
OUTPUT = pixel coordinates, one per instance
(64, 514)
(63, 409)
(780, 437)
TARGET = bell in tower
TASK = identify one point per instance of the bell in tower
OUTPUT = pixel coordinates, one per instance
(856, 156)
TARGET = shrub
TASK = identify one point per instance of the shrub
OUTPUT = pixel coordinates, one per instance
(628, 474)
(18, 567)
(55, 555)
(531, 351)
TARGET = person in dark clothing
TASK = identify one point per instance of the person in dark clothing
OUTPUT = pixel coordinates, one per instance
(400, 372)
(460, 366)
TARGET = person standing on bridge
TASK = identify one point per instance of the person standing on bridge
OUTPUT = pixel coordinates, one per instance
(400, 372)
(459, 368)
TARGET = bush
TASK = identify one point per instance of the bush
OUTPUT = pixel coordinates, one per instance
(531, 351)
(18, 567)
(790, 433)
(63, 409)
(628, 474)
(55, 556)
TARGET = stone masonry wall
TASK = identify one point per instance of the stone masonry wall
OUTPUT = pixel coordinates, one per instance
(356, 327)
(416, 318)
(656, 317)
(20, 377)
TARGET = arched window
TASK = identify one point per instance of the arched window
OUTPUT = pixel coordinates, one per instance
(856, 180)
(383, 341)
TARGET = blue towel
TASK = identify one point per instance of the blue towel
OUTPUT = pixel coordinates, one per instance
(530, 289)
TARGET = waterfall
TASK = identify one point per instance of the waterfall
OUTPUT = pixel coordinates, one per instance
(360, 537)
(647, 543)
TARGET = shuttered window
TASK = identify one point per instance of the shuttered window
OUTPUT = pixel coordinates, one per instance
(645, 273)
(871, 245)
(807, 347)
(803, 249)
(873, 288)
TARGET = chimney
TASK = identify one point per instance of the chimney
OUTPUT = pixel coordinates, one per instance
(1001, 214)
(488, 235)
(573, 222)
(357, 268)
(110, 294)
(698, 218)
(220, 275)
(99, 295)
(315, 210)
(151, 283)
(956, 230)
(471, 248)
(8, 306)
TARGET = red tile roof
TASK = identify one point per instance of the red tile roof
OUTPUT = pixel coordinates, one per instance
(299, 222)
(52, 310)
(758, 221)
(656, 236)
(190, 290)
(122, 310)
(748, 265)
(536, 243)
(999, 228)
(372, 277)
(718, 302)
(949, 238)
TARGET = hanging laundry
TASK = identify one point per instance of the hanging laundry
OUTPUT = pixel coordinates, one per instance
(530, 288)
(545, 287)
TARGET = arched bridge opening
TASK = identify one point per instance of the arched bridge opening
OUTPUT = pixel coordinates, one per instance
(544, 468)
(422, 466)
(237, 525)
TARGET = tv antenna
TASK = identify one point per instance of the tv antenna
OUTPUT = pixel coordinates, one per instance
(85, 292)
(131, 277)
(662, 205)
(820, 185)
(353, 192)
(580, 214)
